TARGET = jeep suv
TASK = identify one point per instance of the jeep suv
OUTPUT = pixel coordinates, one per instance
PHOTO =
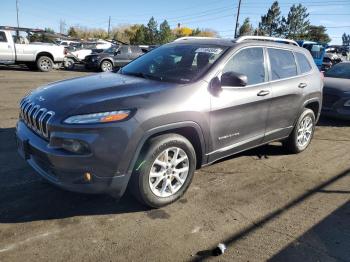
(177, 108)
(112, 57)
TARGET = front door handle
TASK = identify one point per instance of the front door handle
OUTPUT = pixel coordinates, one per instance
(263, 93)
(302, 85)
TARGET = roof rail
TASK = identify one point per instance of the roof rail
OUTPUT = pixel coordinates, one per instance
(194, 37)
(13, 28)
(266, 38)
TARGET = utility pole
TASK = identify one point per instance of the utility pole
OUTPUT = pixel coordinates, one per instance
(62, 26)
(17, 13)
(109, 26)
(238, 10)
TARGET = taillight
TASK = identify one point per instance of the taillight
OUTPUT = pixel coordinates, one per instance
(65, 52)
(322, 75)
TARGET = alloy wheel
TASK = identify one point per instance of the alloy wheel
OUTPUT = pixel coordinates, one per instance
(305, 130)
(169, 172)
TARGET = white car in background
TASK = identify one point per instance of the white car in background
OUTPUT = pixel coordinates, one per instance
(16, 48)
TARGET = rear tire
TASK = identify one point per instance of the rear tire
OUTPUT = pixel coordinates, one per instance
(164, 170)
(44, 64)
(302, 134)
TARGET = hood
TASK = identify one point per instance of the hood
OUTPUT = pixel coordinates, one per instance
(96, 93)
(340, 85)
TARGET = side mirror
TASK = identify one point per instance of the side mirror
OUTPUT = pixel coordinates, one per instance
(117, 52)
(234, 79)
(215, 85)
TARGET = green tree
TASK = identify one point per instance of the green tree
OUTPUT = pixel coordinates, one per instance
(140, 36)
(165, 33)
(72, 32)
(296, 24)
(246, 28)
(49, 30)
(318, 34)
(346, 39)
(270, 23)
(151, 37)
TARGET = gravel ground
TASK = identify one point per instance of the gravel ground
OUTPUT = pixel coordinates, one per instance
(263, 204)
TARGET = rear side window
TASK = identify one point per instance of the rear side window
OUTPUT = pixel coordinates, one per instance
(303, 63)
(249, 62)
(3, 37)
(135, 49)
(282, 63)
(124, 49)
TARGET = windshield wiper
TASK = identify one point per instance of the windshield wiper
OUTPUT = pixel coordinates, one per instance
(143, 75)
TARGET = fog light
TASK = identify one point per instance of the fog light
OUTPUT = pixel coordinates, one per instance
(75, 146)
(87, 177)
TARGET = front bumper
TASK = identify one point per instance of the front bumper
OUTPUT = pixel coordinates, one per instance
(65, 169)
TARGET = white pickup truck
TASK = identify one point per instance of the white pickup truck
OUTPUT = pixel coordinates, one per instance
(15, 48)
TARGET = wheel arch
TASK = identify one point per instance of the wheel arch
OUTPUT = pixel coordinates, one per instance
(315, 106)
(48, 54)
(106, 59)
(190, 130)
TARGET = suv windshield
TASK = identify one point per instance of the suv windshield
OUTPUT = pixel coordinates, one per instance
(175, 63)
(341, 70)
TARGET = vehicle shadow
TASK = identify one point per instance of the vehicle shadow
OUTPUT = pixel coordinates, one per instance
(25, 197)
(328, 240)
(333, 122)
(330, 237)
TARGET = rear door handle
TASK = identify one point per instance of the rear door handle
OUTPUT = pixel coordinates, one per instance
(263, 93)
(302, 85)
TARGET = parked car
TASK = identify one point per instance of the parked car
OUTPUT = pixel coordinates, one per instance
(15, 48)
(179, 107)
(336, 93)
(329, 60)
(112, 57)
(317, 50)
(75, 56)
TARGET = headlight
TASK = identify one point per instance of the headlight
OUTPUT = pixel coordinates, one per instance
(104, 117)
(347, 103)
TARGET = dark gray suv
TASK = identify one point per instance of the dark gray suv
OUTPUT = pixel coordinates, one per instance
(177, 108)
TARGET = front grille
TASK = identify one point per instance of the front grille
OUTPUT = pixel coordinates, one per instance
(36, 117)
(330, 100)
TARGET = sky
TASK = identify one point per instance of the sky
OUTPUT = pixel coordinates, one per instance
(219, 15)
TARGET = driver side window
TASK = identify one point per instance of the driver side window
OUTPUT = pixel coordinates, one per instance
(249, 62)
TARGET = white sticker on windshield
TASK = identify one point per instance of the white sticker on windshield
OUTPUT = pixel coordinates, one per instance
(209, 50)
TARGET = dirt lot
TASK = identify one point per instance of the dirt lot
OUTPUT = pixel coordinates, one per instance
(264, 204)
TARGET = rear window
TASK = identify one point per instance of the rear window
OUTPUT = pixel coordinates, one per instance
(3, 37)
(303, 63)
(282, 63)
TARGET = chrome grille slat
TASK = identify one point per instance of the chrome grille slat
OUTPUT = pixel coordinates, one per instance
(36, 118)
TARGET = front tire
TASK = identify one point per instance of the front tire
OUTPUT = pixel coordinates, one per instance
(106, 66)
(44, 64)
(69, 64)
(164, 170)
(303, 132)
